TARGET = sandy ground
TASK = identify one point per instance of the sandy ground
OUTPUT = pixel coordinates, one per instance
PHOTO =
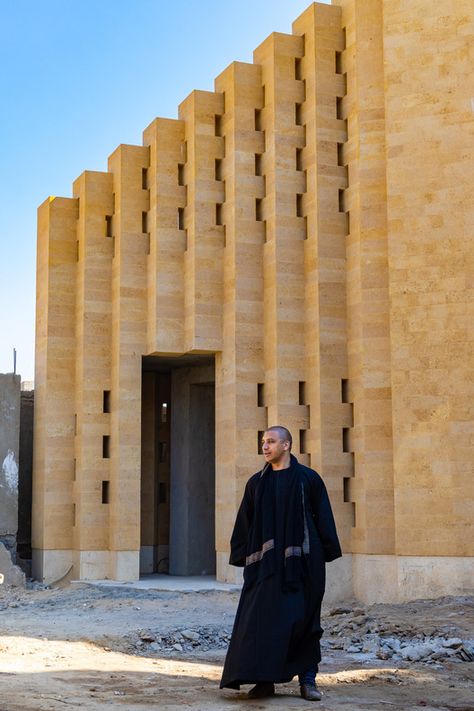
(89, 647)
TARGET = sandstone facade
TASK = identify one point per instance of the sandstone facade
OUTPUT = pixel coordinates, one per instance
(299, 237)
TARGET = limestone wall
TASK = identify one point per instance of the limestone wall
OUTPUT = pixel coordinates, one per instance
(307, 225)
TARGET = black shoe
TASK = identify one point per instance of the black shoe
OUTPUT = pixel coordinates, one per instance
(261, 690)
(310, 692)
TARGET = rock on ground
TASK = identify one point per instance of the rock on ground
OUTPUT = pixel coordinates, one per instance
(12, 575)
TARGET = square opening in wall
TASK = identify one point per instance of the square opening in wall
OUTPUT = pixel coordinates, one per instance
(340, 154)
(298, 74)
(303, 448)
(341, 200)
(105, 492)
(344, 390)
(302, 393)
(299, 159)
(346, 484)
(299, 205)
(346, 445)
(106, 401)
(180, 218)
(299, 114)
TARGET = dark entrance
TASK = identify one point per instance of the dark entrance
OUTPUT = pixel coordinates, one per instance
(178, 465)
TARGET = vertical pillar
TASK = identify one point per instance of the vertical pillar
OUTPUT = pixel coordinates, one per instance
(368, 279)
(129, 342)
(319, 27)
(166, 181)
(92, 394)
(53, 457)
(203, 222)
(240, 412)
(283, 254)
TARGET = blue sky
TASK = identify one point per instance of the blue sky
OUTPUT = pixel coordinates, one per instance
(77, 79)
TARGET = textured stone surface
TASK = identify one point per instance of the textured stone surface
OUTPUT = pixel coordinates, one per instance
(305, 225)
(9, 457)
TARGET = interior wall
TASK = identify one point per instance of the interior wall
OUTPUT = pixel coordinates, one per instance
(155, 473)
(192, 535)
(25, 474)
(148, 522)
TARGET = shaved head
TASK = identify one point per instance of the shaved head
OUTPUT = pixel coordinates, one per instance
(282, 432)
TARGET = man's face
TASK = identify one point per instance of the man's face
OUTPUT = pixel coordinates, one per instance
(274, 449)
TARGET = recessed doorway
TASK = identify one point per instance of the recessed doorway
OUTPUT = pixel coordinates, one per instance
(178, 465)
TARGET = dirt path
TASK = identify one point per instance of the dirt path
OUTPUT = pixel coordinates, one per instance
(87, 647)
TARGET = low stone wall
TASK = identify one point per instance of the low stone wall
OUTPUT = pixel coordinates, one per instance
(10, 385)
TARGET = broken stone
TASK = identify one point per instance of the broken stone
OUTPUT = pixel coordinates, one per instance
(416, 652)
(452, 642)
(178, 647)
(12, 575)
(340, 611)
(189, 634)
(392, 643)
(465, 654)
(147, 636)
(371, 644)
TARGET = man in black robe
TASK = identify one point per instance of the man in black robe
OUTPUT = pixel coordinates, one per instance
(283, 536)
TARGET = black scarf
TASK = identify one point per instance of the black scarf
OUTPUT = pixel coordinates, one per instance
(260, 559)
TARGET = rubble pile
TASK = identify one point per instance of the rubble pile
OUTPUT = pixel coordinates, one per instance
(365, 637)
(353, 630)
(196, 639)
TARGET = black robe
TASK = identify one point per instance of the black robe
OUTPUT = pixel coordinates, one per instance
(277, 626)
